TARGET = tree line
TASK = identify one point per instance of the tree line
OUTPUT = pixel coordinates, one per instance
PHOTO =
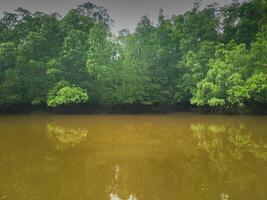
(214, 58)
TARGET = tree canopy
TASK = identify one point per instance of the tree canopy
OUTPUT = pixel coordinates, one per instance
(214, 58)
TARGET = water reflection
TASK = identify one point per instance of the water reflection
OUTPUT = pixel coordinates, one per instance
(224, 196)
(231, 150)
(133, 157)
(232, 139)
(64, 138)
(114, 195)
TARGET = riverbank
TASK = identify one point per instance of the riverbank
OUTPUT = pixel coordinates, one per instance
(130, 109)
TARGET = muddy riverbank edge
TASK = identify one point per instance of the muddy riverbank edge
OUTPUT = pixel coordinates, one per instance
(130, 109)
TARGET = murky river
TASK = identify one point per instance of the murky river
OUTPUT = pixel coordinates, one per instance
(133, 157)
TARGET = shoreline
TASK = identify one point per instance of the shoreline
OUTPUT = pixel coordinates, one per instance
(86, 109)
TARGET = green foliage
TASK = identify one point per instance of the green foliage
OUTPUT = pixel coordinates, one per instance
(102, 64)
(257, 87)
(63, 94)
(242, 22)
(10, 79)
(224, 83)
(7, 56)
(215, 57)
(194, 67)
(10, 88)
(133, 81)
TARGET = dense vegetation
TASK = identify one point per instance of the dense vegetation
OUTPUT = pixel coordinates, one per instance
(215, 58)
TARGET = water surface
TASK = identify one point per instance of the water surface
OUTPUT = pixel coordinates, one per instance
(133, 157)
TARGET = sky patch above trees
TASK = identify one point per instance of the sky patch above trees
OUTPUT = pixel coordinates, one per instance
(125, 13)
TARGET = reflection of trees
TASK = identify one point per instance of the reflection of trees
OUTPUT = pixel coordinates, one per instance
(231, 151)
(133, 158)
(244, 143)
(66, 137)
(217, 138)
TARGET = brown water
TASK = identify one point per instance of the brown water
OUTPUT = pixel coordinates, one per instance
(133, 157)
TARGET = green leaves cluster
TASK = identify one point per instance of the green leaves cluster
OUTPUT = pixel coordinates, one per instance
(63, 94)
(235, 77)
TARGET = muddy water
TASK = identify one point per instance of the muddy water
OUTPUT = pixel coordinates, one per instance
(133, 157)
